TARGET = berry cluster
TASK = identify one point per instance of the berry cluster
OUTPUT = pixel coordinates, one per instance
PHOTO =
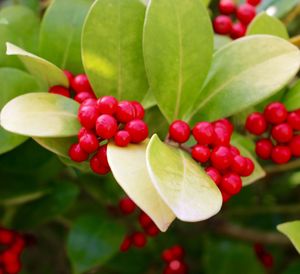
(263, 256)
(244, 14)
(278, 130)
(137, 239)
(12, 245)
(174, 258)
(222, 161)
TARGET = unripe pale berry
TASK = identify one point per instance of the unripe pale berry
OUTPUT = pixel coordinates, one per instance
(222, 24)
(281, 154)
(82, 96)
(107, 105)
(201, 153)
(226, 7)
(295, 146)
(204, 133)
(238, 30)
(122, 138)
(275, 113)
(245, 13)
(125, 112)
(214, 175)
(138, 131)
(294, 120)
(221, 157)
(231, 183)
(81, 83)
(282, 133)
(106, 126)
(263, 148)
(179, 131)
(256, 123)
(77, 154)
(139, 110)
(89, 142)
(87, 116)
(139, 239)
(60, 91)
(127, 206)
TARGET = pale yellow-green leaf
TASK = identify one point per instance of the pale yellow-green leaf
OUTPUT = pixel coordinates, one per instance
(292, 231)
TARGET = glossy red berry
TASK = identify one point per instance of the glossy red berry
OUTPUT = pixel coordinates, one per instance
(138, 130)
(245, 13)
(99, 163)
(239, 163)
(263, 148)
(127, 206)
(126, 244)
(107, 105)
(81, 83)
(82, 96)
(145, 220)
(225, 196)
(238, 30)
(83, 131)
(221, 157)
(152, 230)
(6, 236)
(106, 126)
(139, 110)
(222, 136)
(167, 255)
(275, 113)
(89, 102)
(177, 252)
(224, 123)
(122, 138)
(281, 154)
(125, 112)
(201, 153)
(254, 2)
(179, 131)
(89, 142)
(222, 24)
(249, 168)
(226, 7)
(204, 133)
(294, 120)
(295, 146)
(87, 116)
(70, 76)
(214, 174)
(60, 91)
(175, 267)
(77, 154)
(282, 133)
(231, 183)
(139, 239)
(256, 123)
(234, 150)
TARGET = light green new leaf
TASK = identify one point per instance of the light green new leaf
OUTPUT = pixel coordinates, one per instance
(9, 141)
(41, 115)
(178, 47)
(291, 230)
(245, 145)
(129, 168)
(292, 98)
(181, 182)
(70, 14)
(246, 72)
(221, 41)
(47, 73)
(265, 24)
(112, 48)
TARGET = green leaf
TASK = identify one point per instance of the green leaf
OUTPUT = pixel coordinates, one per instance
(291, 230)
(292, 97)
(178, 46)
(261, 66)
(41, 115)
(279, 8)
(129, 168)
(9, 141)
(47, 73)
(149, 100)
(18, 25)
(181, 182)
(92, 241)
(70, 14)
(221, 41)
(83, 167)
(112, 48)
(265, 24)
(245, 145)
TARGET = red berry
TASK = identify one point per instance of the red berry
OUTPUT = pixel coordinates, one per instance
(256, 123)
(106, 126)
(275, 113)
(176, 267)
(60, 91)
(264, 148)
(267, 260)
(221, 157)
(14, 267)
(125, 112)
(204, 133)
(254, 2)
(122, 138)
(8, 257)
(127, 206)
(81, 83)
(167, 255)
(89, 142)
(281, 154)
(139, 110)
(201, 153)
(126, 244)
(238, 30)
(214, 174)
(234, 150)
(259, 249)
(107, 105)
(99, 163)
(245, 13)
(179, 131)
(18, 245)
(231, 183)
(138, 130)
(239, 164)
(77, 153)
(89, 102)
(70, 76)
(6, 236)
(224, 123)
(139, 239)
(145, 220)
(178, 252)
(249, 168)
(87, 116)
(295, 146)
(294, 120)
(152, 230)
(83, 131)
(227, 7)
(282, 133)
(222, 24)
(222, 136)
(225, 196)
(82, 96)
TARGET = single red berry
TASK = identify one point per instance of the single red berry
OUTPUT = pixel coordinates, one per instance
(82, 96)
(89, 142)
(70, 76)
(224, 123)
(254, 2)
(125, 112)
(122, 138)
(222, 24)
(60, 91)
(106, 126)
(201, 153)
(221, 157)
(107, 105)
(167, 255)
(214, 174)
(295, 146)
(81, 83)
(98, 167)
(179, 131)
(139, 110)
(249, 168)
(87, 116)
(13, 268)
(275, 113)
(225, 196)
(245, 13)
(139, 239)
(8, 257)
(263, 148)
(238, 30)
(83, 131)
(267, 260)
(294, 120)
(234, 150)
(231, 183)
(177, 267)
(89, 102)
(152, 230)
(77, 153)
(204, 133)
(282, 133)
(226, 7)
(138, 131)
(126, 244)
(178, 252)
(127, 206)
(239, 163)
(6, 236)
(256, 123)
(222, 136)
(145, 220)
(281, 154)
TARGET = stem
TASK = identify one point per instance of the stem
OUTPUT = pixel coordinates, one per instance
(281, 168)
(292, 15)
(295, 40)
